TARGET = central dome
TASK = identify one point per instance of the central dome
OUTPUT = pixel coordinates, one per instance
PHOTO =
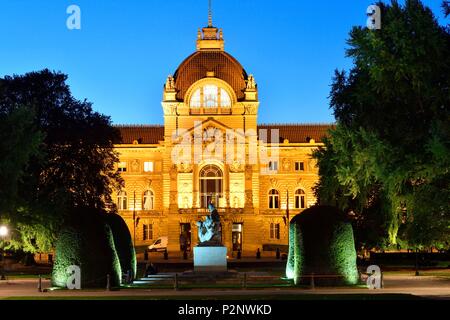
(222, 64)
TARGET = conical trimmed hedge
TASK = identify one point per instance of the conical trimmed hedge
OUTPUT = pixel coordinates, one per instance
(123, 243)
(87, 241)
(321, 245)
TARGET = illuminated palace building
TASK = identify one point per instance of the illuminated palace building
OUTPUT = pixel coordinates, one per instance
(211, 149)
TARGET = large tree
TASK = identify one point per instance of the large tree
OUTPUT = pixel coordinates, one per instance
(388, 160)
(19, 141)
(75, 163)
(446, 7)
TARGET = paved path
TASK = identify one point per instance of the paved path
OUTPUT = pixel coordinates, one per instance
(424, 286)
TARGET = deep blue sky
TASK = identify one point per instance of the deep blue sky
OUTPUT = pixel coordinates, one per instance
(121, 57)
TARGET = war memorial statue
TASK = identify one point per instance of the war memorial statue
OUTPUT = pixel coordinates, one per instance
(210, 230)
(210, 255)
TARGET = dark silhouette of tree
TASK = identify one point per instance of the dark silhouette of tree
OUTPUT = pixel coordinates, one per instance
(19, 140)
(446, 7)
(75, 163)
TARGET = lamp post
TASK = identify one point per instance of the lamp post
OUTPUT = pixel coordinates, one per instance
(417, 263)
(3, 233)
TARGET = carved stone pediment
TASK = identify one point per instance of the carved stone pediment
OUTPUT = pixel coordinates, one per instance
(209, 130)
(211, 133)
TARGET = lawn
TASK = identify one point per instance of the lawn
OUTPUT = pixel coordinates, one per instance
(443, 273)
(23, 276)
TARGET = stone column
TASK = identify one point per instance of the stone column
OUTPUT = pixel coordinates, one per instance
(248, 187)
(226, 183)
(173, 204)
(195, 186)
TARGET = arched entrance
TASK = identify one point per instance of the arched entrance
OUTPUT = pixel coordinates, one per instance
(211, 185)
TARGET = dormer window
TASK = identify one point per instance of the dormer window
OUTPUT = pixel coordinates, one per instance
(210, 97)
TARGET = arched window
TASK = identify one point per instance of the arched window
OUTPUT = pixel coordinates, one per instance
(196, 100)
(148, 201)
(210, 96)
(122, 200)
(300, 202)
(211, 185)
(274, 199)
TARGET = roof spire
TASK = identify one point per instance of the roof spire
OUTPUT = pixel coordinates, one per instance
(210, 38)
(210, 14)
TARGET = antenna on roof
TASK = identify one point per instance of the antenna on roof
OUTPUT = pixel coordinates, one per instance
(210, 14)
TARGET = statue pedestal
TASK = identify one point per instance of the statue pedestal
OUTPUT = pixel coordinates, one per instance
(210, 259)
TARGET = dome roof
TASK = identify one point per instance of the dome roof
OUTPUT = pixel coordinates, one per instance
(224, 66)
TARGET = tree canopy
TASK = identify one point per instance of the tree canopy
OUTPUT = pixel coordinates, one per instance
(61, 156)
(387, 162)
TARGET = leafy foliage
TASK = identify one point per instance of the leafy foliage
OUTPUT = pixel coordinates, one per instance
(387, 160)
(123, 243)
(19, 141)
(446, 7)
(74, 165)
(87, 241)
(322, 245)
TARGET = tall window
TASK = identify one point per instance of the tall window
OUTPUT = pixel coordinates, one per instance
(274, 199)
(273, 165)
(147, 232)
(236, 236)
(211, 185)
(300, 199)
(275, 231)
(122, 201)
(210, 96)
(196, 99)
(148, 200)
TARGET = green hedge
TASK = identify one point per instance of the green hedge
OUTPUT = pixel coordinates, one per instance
(123, 243)
(87, 241)
(321, 243)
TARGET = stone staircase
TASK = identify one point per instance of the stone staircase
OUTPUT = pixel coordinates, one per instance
(207, 279)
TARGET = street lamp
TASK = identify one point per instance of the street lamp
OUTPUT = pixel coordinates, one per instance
(3, 233)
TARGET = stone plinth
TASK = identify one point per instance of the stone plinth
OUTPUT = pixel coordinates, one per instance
(210, 259)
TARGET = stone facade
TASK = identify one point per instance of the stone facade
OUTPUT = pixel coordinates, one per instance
(171, 172)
